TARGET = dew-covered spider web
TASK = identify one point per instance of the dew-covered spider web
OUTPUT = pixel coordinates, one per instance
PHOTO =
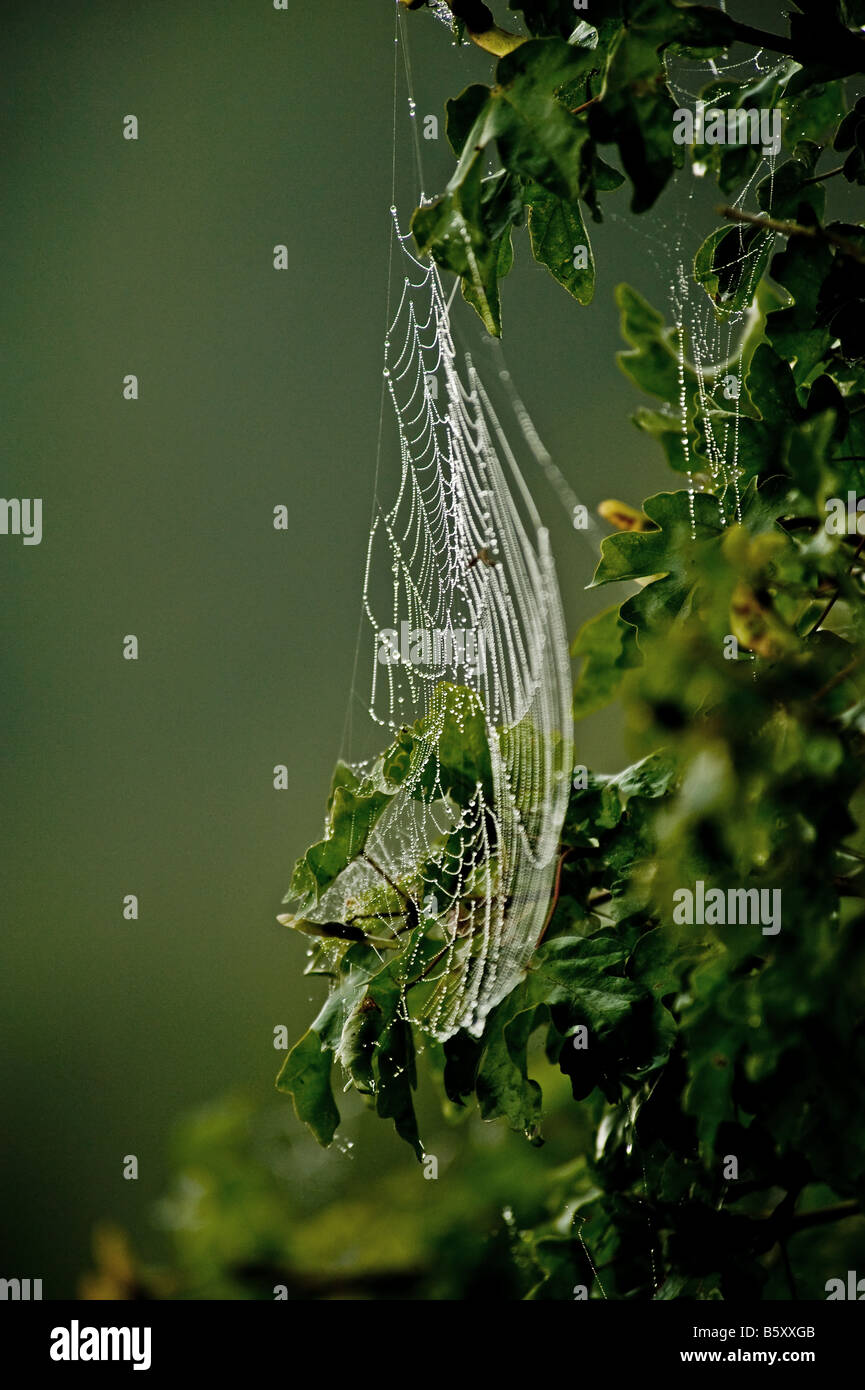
(714, 329)
(470, 679)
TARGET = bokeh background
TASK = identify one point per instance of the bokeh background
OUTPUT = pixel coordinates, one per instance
(257, 388)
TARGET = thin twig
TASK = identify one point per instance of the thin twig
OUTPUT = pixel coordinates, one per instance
(379, 870)
(429, 965)
(824, 1216)
(815, 233)
(829, 606)
(819, 178)
(845, 887)
(838, 678)
(555, 898)
(836, 45)
(373, 917)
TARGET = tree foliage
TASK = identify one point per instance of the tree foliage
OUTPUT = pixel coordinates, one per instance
(704, 1042)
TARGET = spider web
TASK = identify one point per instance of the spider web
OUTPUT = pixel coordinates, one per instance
(470, 667)
(712, 344)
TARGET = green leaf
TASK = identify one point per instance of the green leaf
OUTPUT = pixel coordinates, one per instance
(396, 1080)
(730, 265)
(598, 39)
(563, 1264)
(352, 812)
(651, 777)
(462, 114)
(709, 1094)
(608, 648)
(537, 136)
(539, 142)
(695, 27)
(665, 427)
(653, 359)
(596, 176)
(547, 16)
(842, 295)
(586, 976)
(356, 968)
(372, 1014)
(772, 388)
(305, 1076)
(783, 193)
(601, 806)
(811, 112)
(558, 234)
(503, 1085)
(449, 748)
(637, 108)
(793, 331)
(851, 136)
(672, 552)
(661, 961)
(734, 165)
(462, 1055)
(636, 114)
(468, 231)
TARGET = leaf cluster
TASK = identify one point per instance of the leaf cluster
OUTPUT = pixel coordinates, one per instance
(737, 652)
(528, 145)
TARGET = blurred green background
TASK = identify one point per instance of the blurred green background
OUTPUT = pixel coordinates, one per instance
(257, 388)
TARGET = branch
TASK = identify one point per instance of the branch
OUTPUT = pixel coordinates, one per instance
(816, 233)
(839, 677)
(833, 44)
(824, 1216)
(557, 887)
(480, 25)
(830, 174)
(845, 887)
(429, 965)
(830, 605)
